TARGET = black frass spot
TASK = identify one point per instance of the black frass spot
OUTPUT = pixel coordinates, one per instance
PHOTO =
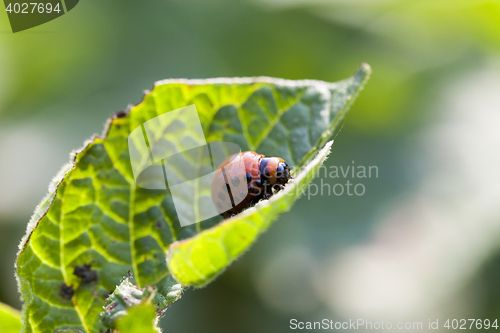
(85, 273)
(120, 114)
(67, 291)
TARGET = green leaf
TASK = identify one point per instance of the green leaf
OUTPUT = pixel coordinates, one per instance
(131, 309)
(96, 224)
(10, 319)
(140, 319)
(127, 296)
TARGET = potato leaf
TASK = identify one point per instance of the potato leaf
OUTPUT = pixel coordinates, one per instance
(139, 319)
(127, 300)
(96, 224)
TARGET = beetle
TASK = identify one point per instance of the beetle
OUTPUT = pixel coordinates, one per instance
(262, 176)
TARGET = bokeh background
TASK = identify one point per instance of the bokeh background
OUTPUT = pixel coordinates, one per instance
(422, 243)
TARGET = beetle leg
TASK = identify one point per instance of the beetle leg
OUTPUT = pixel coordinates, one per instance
(267, 190)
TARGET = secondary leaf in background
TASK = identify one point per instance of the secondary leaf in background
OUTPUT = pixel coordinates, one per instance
(140, 319)
(95, 215)
(10, 319)
(127, 296)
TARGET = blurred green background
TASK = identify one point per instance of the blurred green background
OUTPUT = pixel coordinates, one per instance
(422, 243)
